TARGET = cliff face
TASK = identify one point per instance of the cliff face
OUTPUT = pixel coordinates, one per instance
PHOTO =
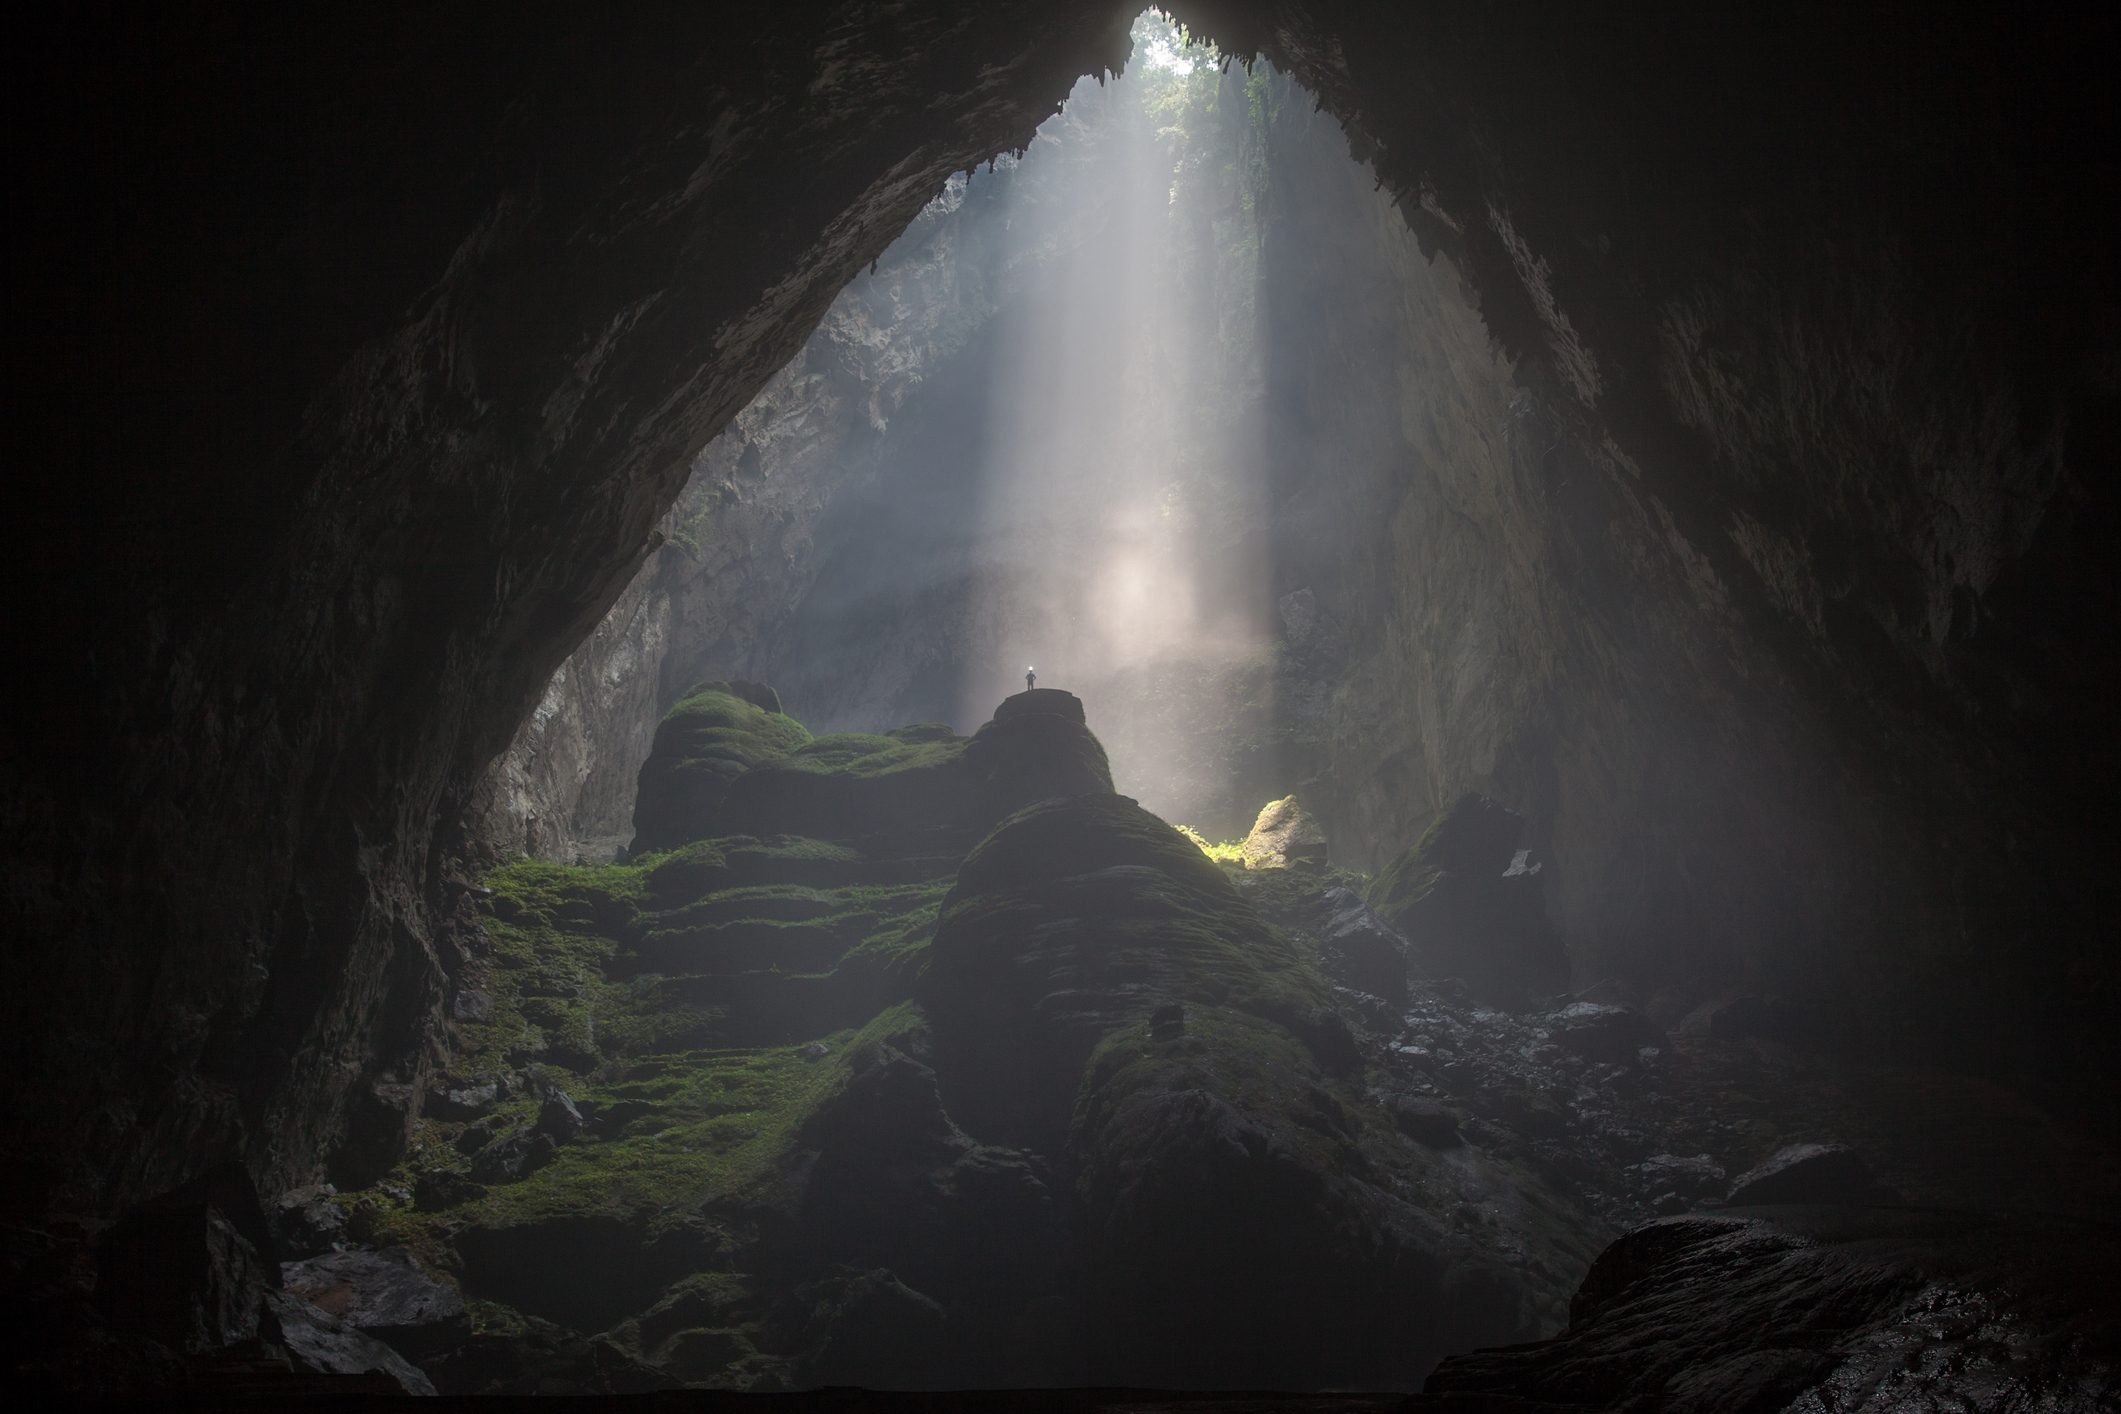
(735, 555)
(381, 344)
(1824, 390)
(395, 335)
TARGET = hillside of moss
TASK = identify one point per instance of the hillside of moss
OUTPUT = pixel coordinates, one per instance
(925, 1060)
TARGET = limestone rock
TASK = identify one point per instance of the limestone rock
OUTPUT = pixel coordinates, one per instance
(1853, 1310)
(190, 1269)
(1809, 1173)
(321, 1343)
(859, 787)
(461, 1101)
(558, 1118)
(1360, 951)
(714, 734)
(1283, 834)
(512, 1156)
(1470, 906)
(386, 1294)
(1068, 929)
(1041, 702)
(306, 1221)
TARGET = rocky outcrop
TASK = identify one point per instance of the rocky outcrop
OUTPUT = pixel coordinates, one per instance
(715, 733)
(1862, 1308)
(1100, 991)
(1283, 834)
(1470, 905)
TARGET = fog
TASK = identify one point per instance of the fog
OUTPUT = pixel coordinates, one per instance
(1084, 492)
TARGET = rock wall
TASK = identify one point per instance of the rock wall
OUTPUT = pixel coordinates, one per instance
(380, 343)
(1820, 390)
(735, 555)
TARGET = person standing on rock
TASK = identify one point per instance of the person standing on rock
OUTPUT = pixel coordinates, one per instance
(1030, 679)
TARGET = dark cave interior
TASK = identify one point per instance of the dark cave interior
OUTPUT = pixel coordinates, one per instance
(1619, 485)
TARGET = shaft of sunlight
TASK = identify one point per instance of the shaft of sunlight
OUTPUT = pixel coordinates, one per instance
(1116, 472)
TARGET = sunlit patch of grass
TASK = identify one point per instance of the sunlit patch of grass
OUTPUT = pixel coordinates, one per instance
(1221, 851)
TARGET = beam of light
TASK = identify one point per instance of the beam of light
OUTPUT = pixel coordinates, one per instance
(1120, 547)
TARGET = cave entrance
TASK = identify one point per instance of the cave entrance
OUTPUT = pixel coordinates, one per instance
(1125, 407)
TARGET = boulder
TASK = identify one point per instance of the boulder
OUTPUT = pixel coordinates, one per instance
(513, 1156)
(386, 1294)
(1468, 901)
(1036, 748)
(559, 1119)
(1283, 834)
(438, 1188)
(307, 1220)
(1359, 951)
(1078, 917)
(1856, 1310)
(1809, 1173)
(320, 1343)
(459, 1102)
(189, 1269)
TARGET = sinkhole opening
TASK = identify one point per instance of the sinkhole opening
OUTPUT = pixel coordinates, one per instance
(1127, 409)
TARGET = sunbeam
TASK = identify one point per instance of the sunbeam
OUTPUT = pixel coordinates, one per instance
(1123, 451)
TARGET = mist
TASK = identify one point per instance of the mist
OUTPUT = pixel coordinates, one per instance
(1084, 491)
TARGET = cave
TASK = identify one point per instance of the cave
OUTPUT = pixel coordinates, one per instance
(1117, 705)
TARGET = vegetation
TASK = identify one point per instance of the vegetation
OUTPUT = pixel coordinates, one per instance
(702, 745)
(1221, 851)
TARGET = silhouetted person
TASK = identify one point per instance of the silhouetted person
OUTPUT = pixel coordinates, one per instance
(1030, 678)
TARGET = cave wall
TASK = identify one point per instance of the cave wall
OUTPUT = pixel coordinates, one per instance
(736, 556)
(382, 340)
(372, 346)
(1812, 302)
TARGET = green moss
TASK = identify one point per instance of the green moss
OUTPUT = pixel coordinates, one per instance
(1095, 897)
(1252, 1064)
(1222, 851)
(861, 755)
(709, 739)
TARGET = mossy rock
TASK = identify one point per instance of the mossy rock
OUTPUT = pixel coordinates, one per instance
(715, 733)
(1078, 916)
(1036, 748)
(914, 788)
(1471, 910)
(1250, 1223)
(1098, 990)
(856, 786)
